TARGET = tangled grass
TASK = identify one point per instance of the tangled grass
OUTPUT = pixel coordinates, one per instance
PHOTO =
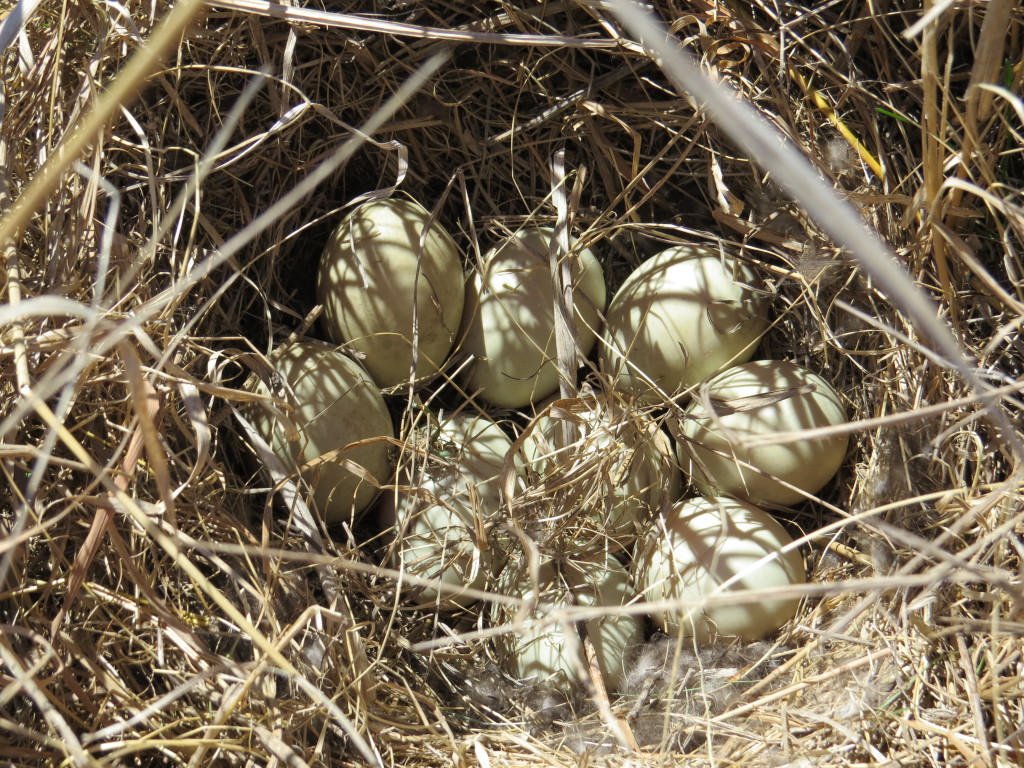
(160, 223)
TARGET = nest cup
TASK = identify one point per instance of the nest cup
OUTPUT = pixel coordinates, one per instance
(160, 602)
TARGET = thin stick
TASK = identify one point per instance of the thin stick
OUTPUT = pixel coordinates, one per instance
(401, 29)
(932, 140)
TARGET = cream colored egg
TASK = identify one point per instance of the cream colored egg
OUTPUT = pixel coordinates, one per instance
(545, 653)
(450, 495)
(708, 547)
(617, 469)
(509, 323)
(373, 278)
(682, 315)
(752, 401)
(334, 403)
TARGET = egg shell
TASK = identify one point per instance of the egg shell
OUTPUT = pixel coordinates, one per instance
(509, 320)
(769, 396)
(681, 316)
(544, 653)
(335, 404)
(704, 543)
(625, 459)
(441, 529)
(370, 279)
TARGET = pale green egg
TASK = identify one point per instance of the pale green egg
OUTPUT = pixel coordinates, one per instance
(509, 322)
(544, 653)
(619, 464)
(681, 316)
(751, 402)
(334, 410)
(448, 495)
(712, 547)
(384, 284)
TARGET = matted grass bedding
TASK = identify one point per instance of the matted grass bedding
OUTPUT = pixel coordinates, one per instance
(158, 603)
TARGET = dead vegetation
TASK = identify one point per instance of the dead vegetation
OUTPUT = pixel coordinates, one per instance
(158, 605)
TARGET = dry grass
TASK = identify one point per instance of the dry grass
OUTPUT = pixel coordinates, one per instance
(156, 605)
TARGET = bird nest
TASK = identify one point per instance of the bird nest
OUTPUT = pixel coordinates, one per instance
(168, 179)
